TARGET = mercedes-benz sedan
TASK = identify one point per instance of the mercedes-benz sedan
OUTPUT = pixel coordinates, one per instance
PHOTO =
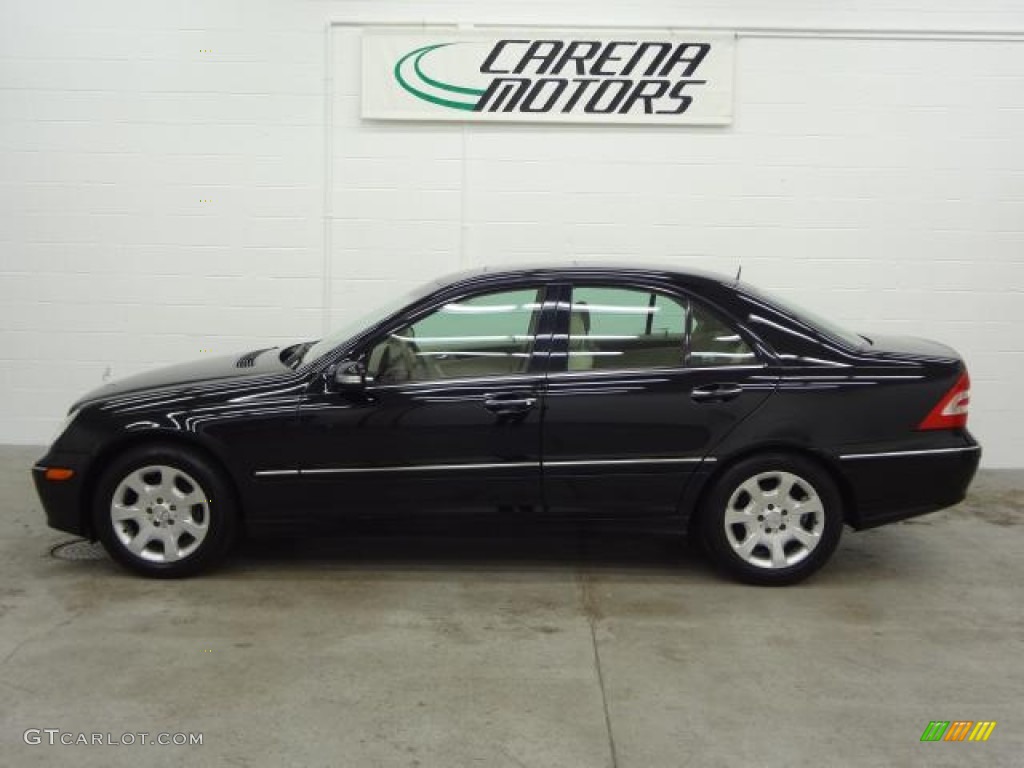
(650, 398)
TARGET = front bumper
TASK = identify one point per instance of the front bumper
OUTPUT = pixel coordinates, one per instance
(64, 500)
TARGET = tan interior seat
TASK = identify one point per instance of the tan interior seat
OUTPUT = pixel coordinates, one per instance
(394, 361)
(579, 343)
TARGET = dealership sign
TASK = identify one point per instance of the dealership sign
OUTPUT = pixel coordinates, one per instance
(549, 76)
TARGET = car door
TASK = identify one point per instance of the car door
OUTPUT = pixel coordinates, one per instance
(449, 419)
(648, 381)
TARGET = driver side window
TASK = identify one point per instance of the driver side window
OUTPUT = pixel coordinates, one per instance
(487, 335)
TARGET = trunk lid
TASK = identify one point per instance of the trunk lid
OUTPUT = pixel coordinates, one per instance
(911, 347)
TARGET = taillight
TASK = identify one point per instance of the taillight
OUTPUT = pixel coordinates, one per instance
(951, 411)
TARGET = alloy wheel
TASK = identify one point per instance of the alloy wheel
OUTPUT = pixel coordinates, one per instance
(160, 513)
(774, 520)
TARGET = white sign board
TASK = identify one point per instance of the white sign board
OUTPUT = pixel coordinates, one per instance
(563, 76)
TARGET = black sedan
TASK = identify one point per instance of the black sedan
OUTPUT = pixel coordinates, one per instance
(641, 397)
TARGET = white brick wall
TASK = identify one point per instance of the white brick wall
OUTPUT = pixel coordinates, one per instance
(876, 177)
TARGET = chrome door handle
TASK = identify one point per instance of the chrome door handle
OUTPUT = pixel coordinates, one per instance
(508, 403)
(716, 393)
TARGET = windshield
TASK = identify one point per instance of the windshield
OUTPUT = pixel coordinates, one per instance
(815, 321)
(365, 320)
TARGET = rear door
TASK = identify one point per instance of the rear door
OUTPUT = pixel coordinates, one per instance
(647, 381)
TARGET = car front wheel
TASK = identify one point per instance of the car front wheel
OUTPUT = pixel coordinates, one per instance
(772, 519)
(164, 511)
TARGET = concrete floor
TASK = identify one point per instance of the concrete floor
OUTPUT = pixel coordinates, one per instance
(525, 652)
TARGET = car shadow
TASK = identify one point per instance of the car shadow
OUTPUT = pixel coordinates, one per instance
(514, 551)
(874, 556)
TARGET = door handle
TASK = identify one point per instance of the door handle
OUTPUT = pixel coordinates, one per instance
(716, 393)
(509, 403)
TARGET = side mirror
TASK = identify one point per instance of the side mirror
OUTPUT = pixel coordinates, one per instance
(350, 376)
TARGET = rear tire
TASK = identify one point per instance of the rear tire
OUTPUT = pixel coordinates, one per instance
(164, 511)
(772, 519)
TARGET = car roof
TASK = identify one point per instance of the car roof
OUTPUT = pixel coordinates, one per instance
(610, 268)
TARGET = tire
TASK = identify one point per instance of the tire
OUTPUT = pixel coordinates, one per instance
(772, 519)
(165, 511)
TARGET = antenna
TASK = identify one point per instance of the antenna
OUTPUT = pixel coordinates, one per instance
(739, 272)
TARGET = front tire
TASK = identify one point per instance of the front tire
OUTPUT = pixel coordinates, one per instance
(164, 511)
(772, 520)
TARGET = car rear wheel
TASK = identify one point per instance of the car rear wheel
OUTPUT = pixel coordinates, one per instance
(164, 511)
(773, 519)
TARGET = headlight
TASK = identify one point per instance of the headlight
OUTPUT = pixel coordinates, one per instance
(64, 425)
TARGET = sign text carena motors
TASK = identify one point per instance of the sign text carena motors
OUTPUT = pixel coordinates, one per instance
(595, 77)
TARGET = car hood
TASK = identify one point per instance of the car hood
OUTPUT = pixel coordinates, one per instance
(190, 375)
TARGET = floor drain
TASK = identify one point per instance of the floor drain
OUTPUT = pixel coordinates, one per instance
(79, 549)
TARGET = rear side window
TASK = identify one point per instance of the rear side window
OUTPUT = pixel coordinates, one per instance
(713, 343)
(633, 328)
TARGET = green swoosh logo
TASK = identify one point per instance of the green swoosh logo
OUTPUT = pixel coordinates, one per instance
(417, 59)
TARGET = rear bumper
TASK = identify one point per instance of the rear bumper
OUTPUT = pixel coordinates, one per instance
(893, 485)
(63, 499)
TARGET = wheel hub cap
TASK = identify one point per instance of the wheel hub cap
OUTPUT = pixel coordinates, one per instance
(162, 514)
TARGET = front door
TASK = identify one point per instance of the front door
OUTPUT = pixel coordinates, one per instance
(650, 382)
(449, 421)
